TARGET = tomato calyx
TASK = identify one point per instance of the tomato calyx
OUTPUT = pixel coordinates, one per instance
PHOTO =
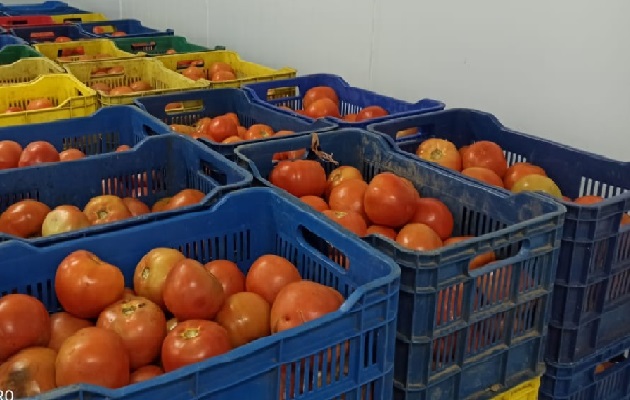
(102, 214)
(437, 154)
(145, 273)
(191, 333)
(129, 308)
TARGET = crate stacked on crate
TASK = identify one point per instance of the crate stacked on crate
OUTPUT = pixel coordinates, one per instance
(272, 367)
(160, 45)
(212, 67)
(121, 81)
(44, 8)
(463, 332)
(591, 296)
(11, 40)
(26, 20)
(186, 109)
(82, 50)
(287, 95)
(120, 28)
(49, 33)
(27, 69)
(12, 53)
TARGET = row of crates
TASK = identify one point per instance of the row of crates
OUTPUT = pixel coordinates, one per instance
(567, 326)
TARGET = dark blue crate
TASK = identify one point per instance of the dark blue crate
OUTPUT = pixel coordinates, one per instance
(241, 227)
(10, 40)
(592, 292)
(289, 93)
(168, 164)
(585, 380)
(524, 231)
(45, 8)
(132, 27)
(48, 33)
(211, 103)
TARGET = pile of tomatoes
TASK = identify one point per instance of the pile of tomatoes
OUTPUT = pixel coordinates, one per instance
(98, 73)
(32, 105)
(323, 101)
(217, 72)
(485, 161)
(32, 218)
(179, 312)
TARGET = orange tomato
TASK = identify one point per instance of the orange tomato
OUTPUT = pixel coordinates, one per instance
(519, 170)
(441, 152)
(485, 175)
(485, 154)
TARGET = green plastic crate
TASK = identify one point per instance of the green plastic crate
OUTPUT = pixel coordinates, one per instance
(12, 53)
(159, 45)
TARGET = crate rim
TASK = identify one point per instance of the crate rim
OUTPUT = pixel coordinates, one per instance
(349, 303)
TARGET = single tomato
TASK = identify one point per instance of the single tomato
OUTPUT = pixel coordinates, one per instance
(136, 207)
(85, 285)
(315, 202)
(24, 322)
(151, 271)
(232, 139)
(194, 73)
(37, 153)
(160, 205)
(184, 198)
(29, 373)
(94, 356)
(485, 154)
(586, 200)
(269, 274)
(478, 261)
(259, 131)
(519, 170)
(436, 215)
(71, 155)
(407, 132)
(122, 147)
(299, 177)
(141, 325)
(24, 218)
(348, 196)
(441, 152)
(227, 272)
(371, 112)
(106, 209)
(62, 326)
(192, 292)
(390, 200)
(233, 117)
(193, 341)
(323, 108)
(10, 153)
(121, 91)
(341, 174)
(140, 86)
(484, 175)
(625, 219)
(220, 66)
(319, 92)
(246, 317)
(419, 237)
(62, 39)
(221, 128)
(537, 183)
(39, 104)
(145, 373)
(351, 220)
(222, 76)
(381, 230)
(350, 118)
(62, 220)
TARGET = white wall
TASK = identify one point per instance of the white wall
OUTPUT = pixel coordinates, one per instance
(558, 69)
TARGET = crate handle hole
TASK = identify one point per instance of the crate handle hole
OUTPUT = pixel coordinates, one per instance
(185, 106)
(611, 362)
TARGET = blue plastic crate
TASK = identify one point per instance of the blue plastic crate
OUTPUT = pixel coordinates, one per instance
(592, 292)
(10, 40)
(231, 229)
(48, 33)
(167, 163)
(132, 27)
(495, 340)
(587, 380)
(289, 93)
(211, 103)
(44, 8)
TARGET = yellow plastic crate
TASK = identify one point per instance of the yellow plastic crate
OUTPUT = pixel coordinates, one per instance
(136, 69)
(524, 391)
(246, 72)
(63, 52)
(27, 69)
(70, 98)
(78, 18)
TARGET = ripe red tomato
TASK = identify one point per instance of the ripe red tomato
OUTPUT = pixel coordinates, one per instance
(317, 93)
(37, 153)
(29, 373)
(301, 302)
(94, 356)
(24, 322)
(62, 326)
(258, 131)
(231, 277)
(323, 108)
(194, 73)
(441, 152)
(370, 113)
(519, 170)
(106, 284)
(64, 219)
(348, 196)
(419, 237)
(485, 175)
(71, 155)
(341, 174)
(245, 316)
(222, 76)
(477, 262)
(316, 202)
(10, 153)
(184, 198)
(269, 274)
(24, 218)
(350, 118)
(136, 207)
(351, 220)
(106, 209)
(151, 271)
(485, 154)
(141, 325)
(382, 230)
(193, 341)
(390, 200)
(436, 215)
(625, 219)
(299, 177)
(145, 373)
(39, 104)
(221, 128)
(192, 292)
(586, 200)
